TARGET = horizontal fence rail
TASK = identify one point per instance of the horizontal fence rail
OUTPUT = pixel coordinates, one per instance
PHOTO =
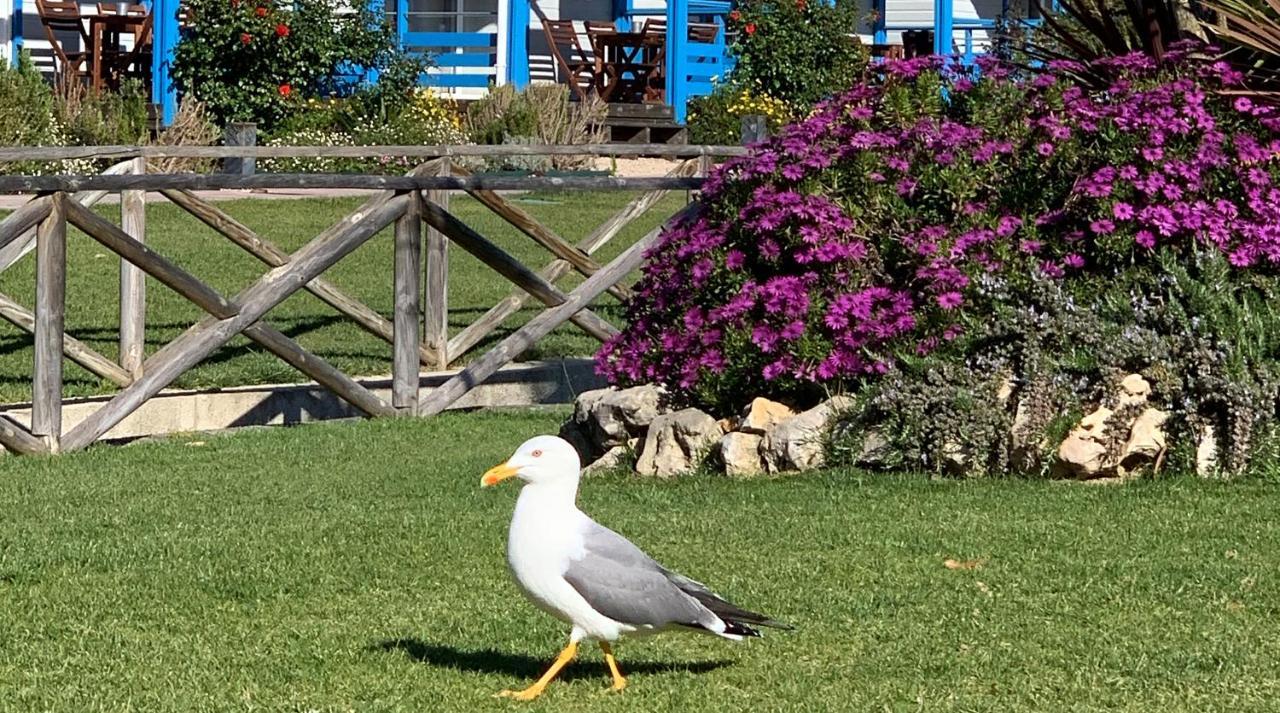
(66, 153)
(220, 181)
(414, 206)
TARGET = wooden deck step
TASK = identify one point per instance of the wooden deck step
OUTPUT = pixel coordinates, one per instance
(644, 124)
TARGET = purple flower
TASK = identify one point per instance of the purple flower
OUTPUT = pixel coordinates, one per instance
(1102, 226)
(1145, 238)
(950, 300)
(1122, 211)
(1044, 149)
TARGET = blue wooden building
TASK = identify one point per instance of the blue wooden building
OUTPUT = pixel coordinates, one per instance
(479, 43)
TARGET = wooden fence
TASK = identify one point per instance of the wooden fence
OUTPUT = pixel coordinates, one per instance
(417, 331)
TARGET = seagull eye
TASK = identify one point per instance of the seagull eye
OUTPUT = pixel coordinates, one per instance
(536, 454)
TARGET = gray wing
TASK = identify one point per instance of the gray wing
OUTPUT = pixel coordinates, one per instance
(623, 583)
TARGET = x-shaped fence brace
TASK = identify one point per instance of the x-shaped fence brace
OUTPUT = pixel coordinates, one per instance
(47, 216)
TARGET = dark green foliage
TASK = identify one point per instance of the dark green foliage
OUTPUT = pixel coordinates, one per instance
(797, 51)
(258, 61)
(1205, 337)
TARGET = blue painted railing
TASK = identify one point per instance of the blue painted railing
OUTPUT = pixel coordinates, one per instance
(15, 32)
(694, 67)
(450, 51)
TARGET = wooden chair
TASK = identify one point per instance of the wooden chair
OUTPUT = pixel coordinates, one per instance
(703, 32)
(64, 16)
(110, 8)
(561, 38)
(656, 25)
(136, 63)
(655, 58)
(599, 27)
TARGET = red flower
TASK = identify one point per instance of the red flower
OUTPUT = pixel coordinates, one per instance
(800, 4)
(245, 38)
(260, 12)
(285, 90)
(735, 15)
(750, 28)
(282, 30)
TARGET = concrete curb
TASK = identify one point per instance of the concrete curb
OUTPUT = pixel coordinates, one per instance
(182, 411)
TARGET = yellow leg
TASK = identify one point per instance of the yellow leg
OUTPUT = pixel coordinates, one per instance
(536, 689)
(619, 682)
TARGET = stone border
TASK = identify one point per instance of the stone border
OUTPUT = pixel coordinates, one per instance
(188, 410)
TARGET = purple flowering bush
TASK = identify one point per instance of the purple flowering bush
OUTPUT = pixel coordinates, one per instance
(922, 216)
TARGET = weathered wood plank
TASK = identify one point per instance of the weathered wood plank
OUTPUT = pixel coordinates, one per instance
(133, 284)
(17, 439)
(152, 262)
(24, 219)
(217, 181)
(25, 243)
(405, 366)
(322, 371)
(512, 303)
(541, 234)
(540, 326)
(51, 293)
(62, 153)
(435, 296)
(266, 251)
(510, 268)
(74, 349)
(256, 300)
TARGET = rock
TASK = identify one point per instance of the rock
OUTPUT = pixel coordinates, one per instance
(875, 450)
(799, 443)
(1134, 391)
(762, 414)
(1207, 452)
(676, 441)
(740, 453)
(955, 460)
(1084, 452)
(1146, 439)
(613, 459)
(609, 417)
(727, 425)
(1005, 390)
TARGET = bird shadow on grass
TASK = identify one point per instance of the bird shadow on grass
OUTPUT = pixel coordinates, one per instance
(522, 666)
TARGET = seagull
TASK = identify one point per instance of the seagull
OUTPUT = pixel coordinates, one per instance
(591, 577)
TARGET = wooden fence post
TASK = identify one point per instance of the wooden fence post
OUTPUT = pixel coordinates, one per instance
(133, 285)
(754, 129)
(435, 300)
(240, 134)
(51, 286)
(408, 285)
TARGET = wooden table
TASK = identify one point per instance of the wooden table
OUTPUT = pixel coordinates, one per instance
(631, 63)
(109, 27)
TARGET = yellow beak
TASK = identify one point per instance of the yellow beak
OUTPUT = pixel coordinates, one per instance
(497, 474)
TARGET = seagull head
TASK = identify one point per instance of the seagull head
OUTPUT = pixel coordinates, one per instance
(544, 459)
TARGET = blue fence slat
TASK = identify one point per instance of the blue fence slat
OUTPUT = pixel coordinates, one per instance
(467, 59)
(449, 39)
(457, 81)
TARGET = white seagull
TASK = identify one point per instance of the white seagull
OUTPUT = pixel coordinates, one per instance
(591, 577)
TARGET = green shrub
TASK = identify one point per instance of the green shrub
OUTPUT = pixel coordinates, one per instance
(425, 120)
(796, 51)
(926, 236)
(259, 60)
(538, 114)
(717, 117)
(30, 116)
(103, 118)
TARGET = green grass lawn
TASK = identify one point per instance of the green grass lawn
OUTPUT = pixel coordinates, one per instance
(93, 287)
(358, 566)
